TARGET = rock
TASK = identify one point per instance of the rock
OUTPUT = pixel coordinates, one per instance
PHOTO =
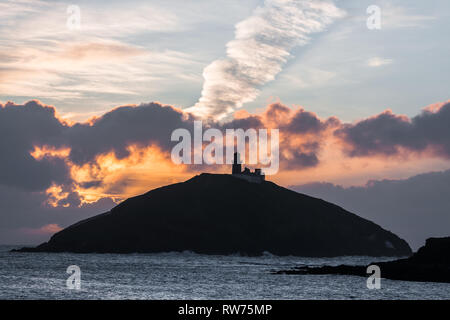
(431, 263)
(221, 214)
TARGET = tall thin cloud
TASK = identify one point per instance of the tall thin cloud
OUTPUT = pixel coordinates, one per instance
(261, 46)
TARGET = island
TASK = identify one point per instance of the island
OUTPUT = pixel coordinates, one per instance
(239, 213)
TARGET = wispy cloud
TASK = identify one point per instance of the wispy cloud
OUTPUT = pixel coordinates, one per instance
(260, 48)
(378, 62)
(310, 77)
(400, 17)
(44, 20)
(40, 57)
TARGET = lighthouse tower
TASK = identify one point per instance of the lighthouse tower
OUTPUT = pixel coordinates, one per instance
(236, 164)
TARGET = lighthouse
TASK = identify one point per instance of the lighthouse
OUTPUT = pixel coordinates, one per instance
(236, 164)
(254, 177)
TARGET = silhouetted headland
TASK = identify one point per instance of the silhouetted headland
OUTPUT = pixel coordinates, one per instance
(431, 263)
(224, 214)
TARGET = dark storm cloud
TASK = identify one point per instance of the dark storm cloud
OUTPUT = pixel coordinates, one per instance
(307, 122)
(21, 128)
(24, 127)
(301, 158)
(250, 122)
(146, 124)
(297, 121)
(416, 208)
(303, 133)
(275, 112)
(387, 133)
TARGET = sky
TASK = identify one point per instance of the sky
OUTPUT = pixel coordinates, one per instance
(90, 92)
(157, 51)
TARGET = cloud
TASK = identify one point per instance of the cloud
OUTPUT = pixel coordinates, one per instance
(96, 52)
(303, 122)
(21, 127)
(44, 19)
(301, 132)
(378, 62)
(45, 153)
(416, 208)
(48, 229)
(146, 124)
(38, 146)
(79, 162)
(79, 69)
(400, 17)
(59, 171)
(260, 48)
(112, 60)
(389, 134)
(302, 135)
(26, 218)
(310, 77)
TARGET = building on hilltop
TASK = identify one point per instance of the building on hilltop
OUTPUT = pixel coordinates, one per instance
(254, 177)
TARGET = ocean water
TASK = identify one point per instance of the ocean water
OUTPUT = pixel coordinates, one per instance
(191, 276)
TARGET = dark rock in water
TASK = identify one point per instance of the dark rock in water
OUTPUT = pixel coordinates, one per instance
(221, 214)
(435, 251)
(431, 263)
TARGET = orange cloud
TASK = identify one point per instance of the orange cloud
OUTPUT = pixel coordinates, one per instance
(127, 151)
(40, 152)
(110, 177)
(435, 107)
(44, 230)
(144, 168)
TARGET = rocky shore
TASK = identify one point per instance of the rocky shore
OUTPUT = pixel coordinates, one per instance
(431, 263)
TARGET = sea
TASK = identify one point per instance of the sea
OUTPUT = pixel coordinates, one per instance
(186, 275)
